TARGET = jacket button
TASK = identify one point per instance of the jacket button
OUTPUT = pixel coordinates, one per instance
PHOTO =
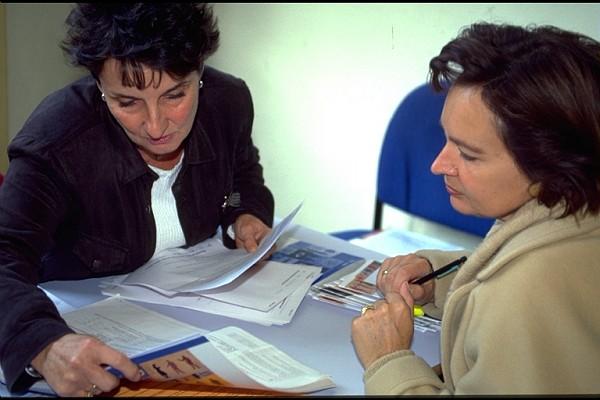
(96, 264)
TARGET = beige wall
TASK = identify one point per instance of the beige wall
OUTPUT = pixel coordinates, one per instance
(36, 65)
(3, 98)
(325, 79)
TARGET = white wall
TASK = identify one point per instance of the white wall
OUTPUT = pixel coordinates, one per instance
(325, 80)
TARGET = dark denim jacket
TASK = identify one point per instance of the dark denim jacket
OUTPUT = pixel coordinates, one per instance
(75, 202)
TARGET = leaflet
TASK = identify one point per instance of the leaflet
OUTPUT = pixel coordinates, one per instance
(168, 349)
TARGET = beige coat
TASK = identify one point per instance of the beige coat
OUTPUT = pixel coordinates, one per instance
(522, 315)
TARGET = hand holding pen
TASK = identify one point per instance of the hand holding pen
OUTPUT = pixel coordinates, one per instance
(441, 272)
(415, 270)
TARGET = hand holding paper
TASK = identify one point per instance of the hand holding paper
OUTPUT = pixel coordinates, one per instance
(205, 266)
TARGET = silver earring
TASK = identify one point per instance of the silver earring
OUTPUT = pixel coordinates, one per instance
(200, 84)
(103, 97)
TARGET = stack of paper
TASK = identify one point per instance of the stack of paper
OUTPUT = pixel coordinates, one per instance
(269, 294)
(209, 277)
(354, 287)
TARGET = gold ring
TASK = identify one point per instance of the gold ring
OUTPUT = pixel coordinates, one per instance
(366, 308)
(92, 391)
(385, 272)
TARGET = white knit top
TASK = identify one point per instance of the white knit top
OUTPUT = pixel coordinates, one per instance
(169, 233)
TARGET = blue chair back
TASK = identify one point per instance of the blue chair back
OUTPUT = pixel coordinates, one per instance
(413, 139)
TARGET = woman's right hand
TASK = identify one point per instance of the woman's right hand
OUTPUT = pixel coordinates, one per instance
(406, 268)
(74, 364)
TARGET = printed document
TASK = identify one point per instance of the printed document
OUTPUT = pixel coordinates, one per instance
(207, 265)
(226, 357)
(268, 294)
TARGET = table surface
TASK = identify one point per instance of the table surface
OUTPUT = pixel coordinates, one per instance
(318, 335)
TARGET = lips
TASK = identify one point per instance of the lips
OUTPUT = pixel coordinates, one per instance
(161, 140)
(451, 190)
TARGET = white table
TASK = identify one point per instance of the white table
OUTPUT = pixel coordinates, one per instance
(318, 336)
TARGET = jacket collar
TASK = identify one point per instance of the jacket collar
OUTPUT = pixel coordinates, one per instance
(532, 226)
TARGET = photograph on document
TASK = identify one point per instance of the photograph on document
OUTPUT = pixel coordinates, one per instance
(182, 366)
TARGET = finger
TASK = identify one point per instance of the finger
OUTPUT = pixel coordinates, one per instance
(386, 265)
(405, 293)
(398, 299)
(249, 244)
(124, 365)
(379, 279)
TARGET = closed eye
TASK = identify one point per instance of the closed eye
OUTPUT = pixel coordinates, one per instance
(467, 157)
(125, 104)
(175, 95)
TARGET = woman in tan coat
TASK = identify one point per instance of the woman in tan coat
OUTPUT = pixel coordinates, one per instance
(522, 315)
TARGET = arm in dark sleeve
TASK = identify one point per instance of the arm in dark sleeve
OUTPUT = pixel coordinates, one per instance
(254, 196)
(31, 206)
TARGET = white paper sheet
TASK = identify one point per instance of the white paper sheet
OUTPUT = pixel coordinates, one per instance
(61, 305)
(264, 286)
(279, 314)
(205, 266)
(264, 363)
(128, 327)
(393, 242)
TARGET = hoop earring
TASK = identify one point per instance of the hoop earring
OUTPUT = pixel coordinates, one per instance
(103, 97)
(200, 84)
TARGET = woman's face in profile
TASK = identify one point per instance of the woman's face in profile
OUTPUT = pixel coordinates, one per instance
(481, 176)
(157, 118)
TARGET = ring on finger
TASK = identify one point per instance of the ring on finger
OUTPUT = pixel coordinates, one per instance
(93, 390)
(366, 308)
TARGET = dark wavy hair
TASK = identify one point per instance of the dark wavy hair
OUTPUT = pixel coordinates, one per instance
(543, 86)
(175, 38)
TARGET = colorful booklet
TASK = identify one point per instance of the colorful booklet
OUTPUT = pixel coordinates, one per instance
(355, 286)
(168, 349)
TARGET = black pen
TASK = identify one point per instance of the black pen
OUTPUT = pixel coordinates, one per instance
(446, 269)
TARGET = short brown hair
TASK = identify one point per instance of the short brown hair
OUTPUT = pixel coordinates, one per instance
(543, 85)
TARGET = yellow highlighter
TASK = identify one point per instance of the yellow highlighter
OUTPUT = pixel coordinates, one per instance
(418, 311)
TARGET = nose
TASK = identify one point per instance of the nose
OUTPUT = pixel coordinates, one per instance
(443, 163)
(155, 124)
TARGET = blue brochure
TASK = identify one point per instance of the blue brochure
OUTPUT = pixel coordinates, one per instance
(310, 254)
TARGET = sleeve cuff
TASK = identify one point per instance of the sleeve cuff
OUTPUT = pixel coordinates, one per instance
(401, 372)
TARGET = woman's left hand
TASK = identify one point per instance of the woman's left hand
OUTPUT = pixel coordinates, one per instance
(385, 329)
(249, 231)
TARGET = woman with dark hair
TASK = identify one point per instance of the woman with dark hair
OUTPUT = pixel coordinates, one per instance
(522, 126)
(152, 151)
